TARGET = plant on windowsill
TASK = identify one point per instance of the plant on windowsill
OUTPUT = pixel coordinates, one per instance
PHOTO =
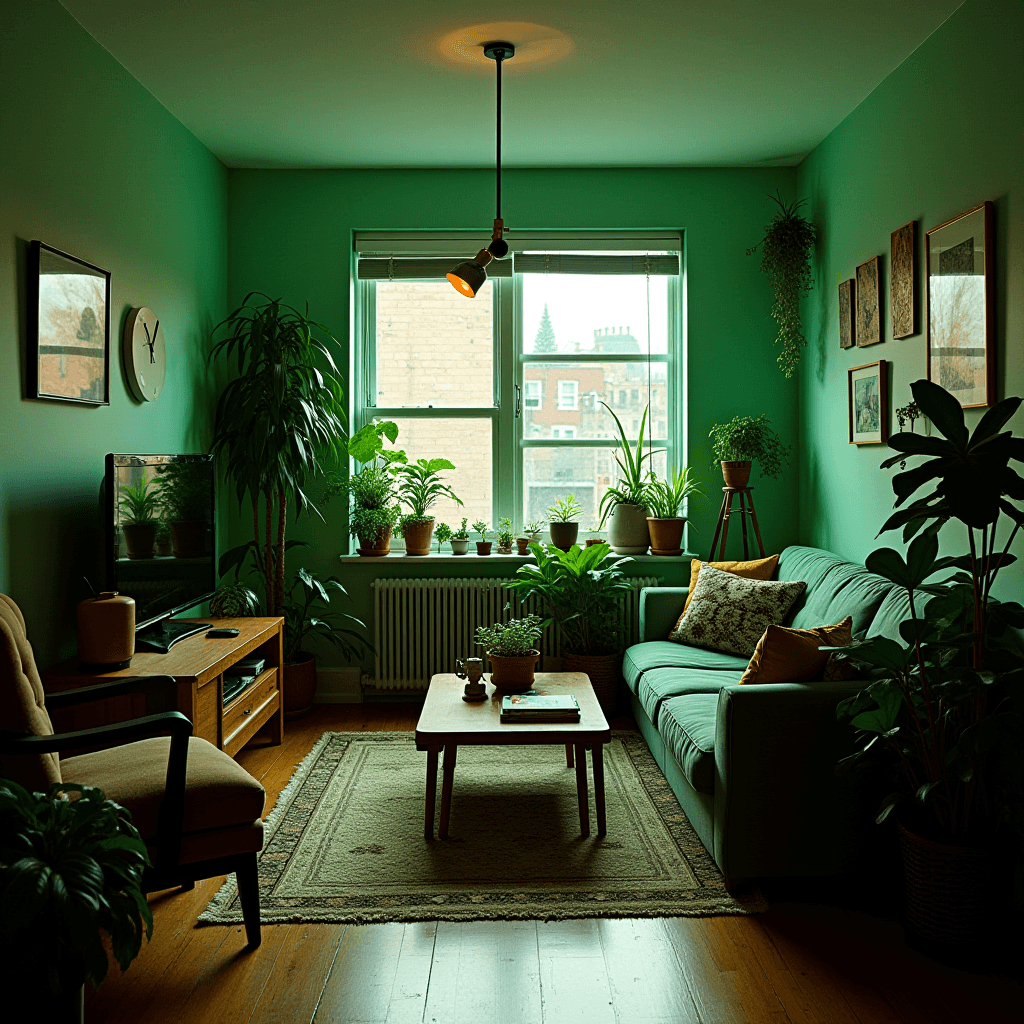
(583, 600)
(460, 540)
(512, 650)
(626, 502)
(187, 506)
(742, 440)
(443, 533)
(506, 536)
(563, 522)
(532, 530)
(483, 545)
(420, 486)
(665, 499)
(139, 509)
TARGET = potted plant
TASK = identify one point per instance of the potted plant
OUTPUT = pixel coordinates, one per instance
(532, 530)
(786, 259)
(523, 545)
(582, 599)
(443, 533)
(71, 866)
(139, 509)
(187, 505)
(460, 540)
(483, 545)
(512, 650)
(234, 601)
(737, 443)
(626, 502)
(164, 547)
(665, 499)
(564, 524)
(419, 488)
(941, 712)
(505, 536)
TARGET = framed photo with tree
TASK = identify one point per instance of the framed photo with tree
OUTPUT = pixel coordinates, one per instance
(868, 395)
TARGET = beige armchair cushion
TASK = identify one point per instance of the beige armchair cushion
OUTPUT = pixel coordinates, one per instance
(22, 706)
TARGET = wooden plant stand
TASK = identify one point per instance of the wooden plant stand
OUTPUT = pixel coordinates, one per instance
(746, 509)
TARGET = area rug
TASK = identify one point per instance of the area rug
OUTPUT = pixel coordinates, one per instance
(345, 841)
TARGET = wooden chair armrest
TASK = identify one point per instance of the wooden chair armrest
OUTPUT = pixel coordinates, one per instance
(161, 693)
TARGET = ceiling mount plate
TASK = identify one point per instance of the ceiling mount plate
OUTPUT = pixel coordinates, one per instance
(499, 51)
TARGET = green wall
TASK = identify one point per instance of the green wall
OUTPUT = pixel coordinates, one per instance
(942, 133)
(291, 236)
(95, 166)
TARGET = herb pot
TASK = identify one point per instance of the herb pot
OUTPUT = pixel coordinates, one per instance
(375, 545)
(523, 544)
(140, 539)
(605, 672)
(504, 549)
(666, 535)
(513, 675)
(627, 530)
(188, 539)
(460, 547)
(106, 632)
(483, 547)
(735, 474)
(563, 535)
(299, 685)
(418, 536)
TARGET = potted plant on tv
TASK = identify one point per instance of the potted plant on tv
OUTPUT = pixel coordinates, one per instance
(942, 711)
(187, 506)
(460, 540)
(512, 650)
(419, 488)
(582, 599)
(506, 536)
(742, 440)
(483, 545)
(71, 866)
(665, 499)
(139, 509)
(443, 533)
(626, 502)
(563, 522)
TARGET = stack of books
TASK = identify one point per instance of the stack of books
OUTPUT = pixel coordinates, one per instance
(536, 707)
(241, 676)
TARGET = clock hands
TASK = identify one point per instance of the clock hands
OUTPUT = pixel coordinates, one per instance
(151, 340)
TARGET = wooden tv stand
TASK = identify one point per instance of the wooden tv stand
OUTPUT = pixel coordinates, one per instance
(198, 665)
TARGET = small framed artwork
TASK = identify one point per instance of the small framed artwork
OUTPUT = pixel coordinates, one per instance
(868, 394)
(903, 281)
(869, 304)
(847, 311)
(68, 329)
(961, 307)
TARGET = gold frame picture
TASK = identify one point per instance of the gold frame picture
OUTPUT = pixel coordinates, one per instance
(867, 389)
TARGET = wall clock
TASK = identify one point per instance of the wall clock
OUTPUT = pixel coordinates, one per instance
(145, 358)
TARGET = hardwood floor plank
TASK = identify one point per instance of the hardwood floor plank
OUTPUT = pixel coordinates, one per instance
(573, 977)
(359, 987)
(412, 976)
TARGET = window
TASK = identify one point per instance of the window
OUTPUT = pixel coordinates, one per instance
(585, 321)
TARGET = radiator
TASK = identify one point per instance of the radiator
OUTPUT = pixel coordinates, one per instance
(420, 626)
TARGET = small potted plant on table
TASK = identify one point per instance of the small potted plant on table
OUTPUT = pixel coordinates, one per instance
(625, 504)
(483, 545)
(742, 440)
(139, 508)
(665, 499)
(460, 540)
(512, 650)
(420, 488)
(506, 536)
(564, 522)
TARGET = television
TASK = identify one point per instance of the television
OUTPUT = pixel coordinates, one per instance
(161, 544)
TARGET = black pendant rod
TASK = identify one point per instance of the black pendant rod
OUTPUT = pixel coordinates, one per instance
(497, 199)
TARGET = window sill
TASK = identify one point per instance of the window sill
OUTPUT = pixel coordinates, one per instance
(434, 558)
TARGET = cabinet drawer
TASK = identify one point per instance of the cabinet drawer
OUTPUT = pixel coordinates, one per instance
(247, 706)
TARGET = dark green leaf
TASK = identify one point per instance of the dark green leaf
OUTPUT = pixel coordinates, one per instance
(942, 409)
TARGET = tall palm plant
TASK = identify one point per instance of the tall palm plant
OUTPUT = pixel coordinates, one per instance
(280, 422)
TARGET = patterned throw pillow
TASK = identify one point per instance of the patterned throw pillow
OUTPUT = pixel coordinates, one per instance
(730, 613)
(794, 655)
(757, 569)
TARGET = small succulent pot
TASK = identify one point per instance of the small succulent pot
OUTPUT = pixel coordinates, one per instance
(666, 536)
(483, 547)
(523, 544)
(377, 545)
(736, 474)
(460, 547)
(418, 537)
(563, 535)
(513, 675)
(140, 539)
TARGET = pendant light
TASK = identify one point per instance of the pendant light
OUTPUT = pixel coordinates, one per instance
(469, 277)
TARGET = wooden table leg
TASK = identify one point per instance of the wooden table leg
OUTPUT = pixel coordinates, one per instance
(582, 793)
(431, 804)
(597, 753)
(568, 755)
(447, 778)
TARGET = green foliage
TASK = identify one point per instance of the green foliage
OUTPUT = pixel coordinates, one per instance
(367, 445)
(786, 259)
(481, 527)
(462, 533)
(308, 613)
(634, 480)
(565, 510)
(185, 491)
(139, 505)
(420, 487)
(744, 439)
(514, 639)
(581, 597)
(443, 533)
(373, 499)
(666, 497)
(506, 535)
(533, 527)
(944, 705)
(233, 600)
(71, 866)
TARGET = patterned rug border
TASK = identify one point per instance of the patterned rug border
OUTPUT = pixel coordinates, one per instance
(224, 910)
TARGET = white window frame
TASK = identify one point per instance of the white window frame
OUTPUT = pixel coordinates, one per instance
(568, 395)
(533, 394)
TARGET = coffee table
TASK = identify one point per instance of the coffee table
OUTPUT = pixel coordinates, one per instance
(448, 722)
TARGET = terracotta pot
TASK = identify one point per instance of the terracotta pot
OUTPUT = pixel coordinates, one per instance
(483, 547)
(106, 632)
(139, 539)
(523, 544)
(735, 474)
(563, 535)
(418, 537)
(627, 530)
(299, 686)
(605, 672)
(460, 547)
(666, 536)
(513, 675)
(189, 539)
(377, 545)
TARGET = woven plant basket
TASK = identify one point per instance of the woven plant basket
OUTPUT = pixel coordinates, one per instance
(605, 672)
(948, 889)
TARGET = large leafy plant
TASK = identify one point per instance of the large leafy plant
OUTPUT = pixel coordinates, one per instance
(185, 492)
(71, 866)
(308, 613)
(580, 595)
(745, 439)
(633, 486)
(420, 487)
(944, 706)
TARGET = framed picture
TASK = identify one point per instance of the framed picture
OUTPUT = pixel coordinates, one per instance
(869, 304)
(847, 311)
(961, 307)
(68, 329)
(868, 387)
(903, 281)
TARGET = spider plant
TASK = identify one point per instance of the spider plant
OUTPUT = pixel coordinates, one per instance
(634, 480)
(138, 505)
(665, 497)
(421, 486)
(565, 510)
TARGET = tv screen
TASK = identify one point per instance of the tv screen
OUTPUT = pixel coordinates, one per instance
(160, 536)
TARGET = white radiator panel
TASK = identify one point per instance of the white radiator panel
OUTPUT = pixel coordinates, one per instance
(421, 626)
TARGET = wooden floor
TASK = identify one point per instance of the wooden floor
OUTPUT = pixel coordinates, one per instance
(798, 963)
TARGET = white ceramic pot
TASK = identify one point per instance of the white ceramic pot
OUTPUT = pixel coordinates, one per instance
(628, 532)
(460, 547)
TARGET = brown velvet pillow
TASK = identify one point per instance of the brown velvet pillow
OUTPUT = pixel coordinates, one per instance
(791, 655)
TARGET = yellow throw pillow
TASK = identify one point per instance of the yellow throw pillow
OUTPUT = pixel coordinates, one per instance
(758, 569)
(791, 655)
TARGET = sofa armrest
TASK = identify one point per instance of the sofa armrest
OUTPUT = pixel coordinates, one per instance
(780, 808)
(660, 608)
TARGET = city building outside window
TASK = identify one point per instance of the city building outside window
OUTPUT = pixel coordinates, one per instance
(568, 394)
(532, 391)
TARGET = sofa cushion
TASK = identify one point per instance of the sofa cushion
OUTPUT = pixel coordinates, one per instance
(642, 658)
(757, 569)
(688, 728)
(661, 684)
(795, 655)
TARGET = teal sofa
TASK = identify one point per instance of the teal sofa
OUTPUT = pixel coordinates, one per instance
(754, 766)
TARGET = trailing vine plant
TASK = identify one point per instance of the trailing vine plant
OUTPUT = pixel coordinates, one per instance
(786, 259)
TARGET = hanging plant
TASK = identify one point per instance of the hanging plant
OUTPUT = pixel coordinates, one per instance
(786, 259)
